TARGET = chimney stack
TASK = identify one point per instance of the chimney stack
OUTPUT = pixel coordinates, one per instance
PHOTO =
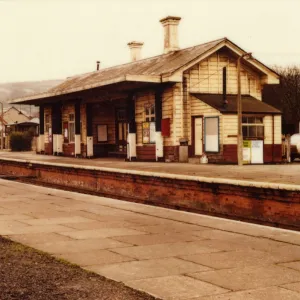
(170, 24)
(135, 50)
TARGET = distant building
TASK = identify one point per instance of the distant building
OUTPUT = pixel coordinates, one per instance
(150, 109)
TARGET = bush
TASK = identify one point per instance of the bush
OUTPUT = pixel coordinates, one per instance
(20, 141)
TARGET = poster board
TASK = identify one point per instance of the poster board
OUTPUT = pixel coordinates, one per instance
(257, 152)
(148, 129)
(102, 133)
(211, 134)
(246, 152)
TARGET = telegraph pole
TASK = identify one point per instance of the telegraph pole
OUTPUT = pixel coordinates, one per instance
(240, 111)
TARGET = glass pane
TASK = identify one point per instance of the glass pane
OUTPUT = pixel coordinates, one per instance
(152, 110)
(245, 131)
(71, 117)
(252, 131)
(251, 120)
(260, 131)
(147, 119)
(258, 120)
(244, 120)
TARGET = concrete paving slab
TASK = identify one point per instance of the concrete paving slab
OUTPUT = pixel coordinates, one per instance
(292, 237)
(175, 287)
(38, 229)
(271, 293)
(165, 250)
(78, 246)
(289, 252)
(50, 221)
(160, 238)
(14, 217)
(96, 257)
(293, 265)
(249, 277)
(293, 287)
(234, 259)
(147, 269)
(98, 225)
(177, 227)
(38, 238)
(100, 233)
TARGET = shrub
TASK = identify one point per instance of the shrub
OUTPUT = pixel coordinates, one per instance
(20, 141)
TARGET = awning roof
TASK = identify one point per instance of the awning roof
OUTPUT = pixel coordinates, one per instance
(249, 104)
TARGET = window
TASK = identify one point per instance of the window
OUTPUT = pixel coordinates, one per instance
(211, 134)
(150, 113)
(253, 127)
(71, 128)
(149, 125)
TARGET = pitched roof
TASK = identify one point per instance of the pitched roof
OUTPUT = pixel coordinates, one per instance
(154, 66)
(157, 65)
(249, 104)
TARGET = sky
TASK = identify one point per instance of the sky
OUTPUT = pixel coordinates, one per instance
(54, 39)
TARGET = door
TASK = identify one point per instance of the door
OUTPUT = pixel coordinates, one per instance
(198, 136)
(122, 130)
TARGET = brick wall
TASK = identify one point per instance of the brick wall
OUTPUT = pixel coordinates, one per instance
(267, 205)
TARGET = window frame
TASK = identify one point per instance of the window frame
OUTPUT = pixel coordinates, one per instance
(71, 132)
(248, 123)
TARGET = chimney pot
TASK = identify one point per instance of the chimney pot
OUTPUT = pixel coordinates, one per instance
(98, 65)
(135, 50)
(170, 25)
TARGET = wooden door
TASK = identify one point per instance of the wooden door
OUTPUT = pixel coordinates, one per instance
(198, 136)
(122, 130)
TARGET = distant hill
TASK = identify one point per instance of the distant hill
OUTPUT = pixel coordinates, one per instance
(14, 90)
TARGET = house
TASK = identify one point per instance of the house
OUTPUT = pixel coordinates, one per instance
(174, 106)
(14, 115)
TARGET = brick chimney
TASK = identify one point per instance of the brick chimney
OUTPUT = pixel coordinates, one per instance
(170, 24)
(135, 50)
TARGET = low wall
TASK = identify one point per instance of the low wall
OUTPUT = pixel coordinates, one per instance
(276, 204)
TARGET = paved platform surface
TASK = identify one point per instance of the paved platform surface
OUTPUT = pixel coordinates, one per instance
(280, 173)
(167, 253)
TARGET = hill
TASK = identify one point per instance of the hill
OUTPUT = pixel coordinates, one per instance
(14, 90)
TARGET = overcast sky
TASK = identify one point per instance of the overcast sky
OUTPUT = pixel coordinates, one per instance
(53, 39)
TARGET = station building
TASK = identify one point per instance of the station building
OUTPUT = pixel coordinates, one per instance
(171, 107)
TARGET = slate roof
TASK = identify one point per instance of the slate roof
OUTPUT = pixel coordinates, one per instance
(249, 104)
(153, 66)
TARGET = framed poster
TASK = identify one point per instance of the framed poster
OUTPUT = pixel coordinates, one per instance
(257, 152)
(102, 133)
(152, 132)
(246, 152)
(211, 134)
(146, 132)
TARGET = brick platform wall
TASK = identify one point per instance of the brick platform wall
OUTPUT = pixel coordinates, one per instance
(267, 205)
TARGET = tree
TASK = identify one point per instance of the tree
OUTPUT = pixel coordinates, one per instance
(286, 97)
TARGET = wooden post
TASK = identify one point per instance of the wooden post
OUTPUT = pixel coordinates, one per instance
(89, 130)
(159, 141)
(288, 148)
(41, 140)
(131, 139)
(240, 111)
(239, 116)
(77, 129)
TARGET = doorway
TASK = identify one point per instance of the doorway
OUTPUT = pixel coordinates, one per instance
(121, 130)
(198, 135)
